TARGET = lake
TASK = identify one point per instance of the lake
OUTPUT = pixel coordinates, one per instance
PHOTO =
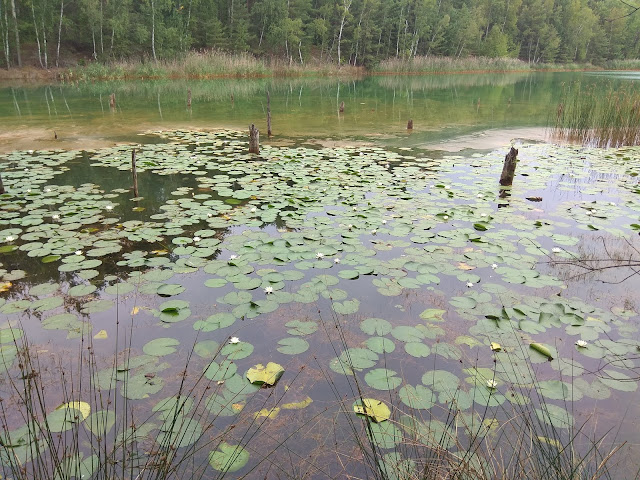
(416, 319)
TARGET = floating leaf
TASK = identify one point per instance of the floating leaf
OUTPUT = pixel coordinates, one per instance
(382, 379)
(293, 346)
(160, 346)
(228, 458)
(377, 410)
(269, 375)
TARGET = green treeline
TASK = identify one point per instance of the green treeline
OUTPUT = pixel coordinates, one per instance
(357, 32)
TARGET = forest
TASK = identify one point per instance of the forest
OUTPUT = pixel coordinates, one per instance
(58, 33)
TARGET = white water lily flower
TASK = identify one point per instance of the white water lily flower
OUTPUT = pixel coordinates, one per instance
(336, 260)
(446, 217)
(47, 190)
(613, 204)
(374, 231)
(447, 187)
(196, 239)
(469, 284)
(384, 222)
(253, 209)
(209, 215)
(556, 250)
(494, 266)
(492, 384)
(28, 190)
(78, 252)
(9, 238)
(233, 257)
(355, 208)
(268, 289)
(483, 214)
(233, 340)
(319, 255)
(55, 217)
(349, 226)
(29, 152)
(581, 344)
(479, 195)
(109, 207)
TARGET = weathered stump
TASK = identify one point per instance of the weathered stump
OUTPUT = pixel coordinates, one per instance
(112, 101)
(1, 186)
(509, 168)
(341, 109)
(254, 139)
(268, 114)
(410, 124)
(189, 98)
(134, 173)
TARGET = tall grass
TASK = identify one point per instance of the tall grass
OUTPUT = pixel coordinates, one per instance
(205, 64)
(434, 64)
(605, 119)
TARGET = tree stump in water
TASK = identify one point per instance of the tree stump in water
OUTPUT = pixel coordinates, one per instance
(509, 168)
(112, 101)
(268, 114)
(341, 109)
(1, 186)
(410, 124)
(189, 98)
(134, 173)
(254, 139)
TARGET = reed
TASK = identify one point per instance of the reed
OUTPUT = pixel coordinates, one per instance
(434, 64)
(205, 64)
(590, 117)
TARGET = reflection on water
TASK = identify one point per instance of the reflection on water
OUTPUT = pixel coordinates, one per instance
(441, 106)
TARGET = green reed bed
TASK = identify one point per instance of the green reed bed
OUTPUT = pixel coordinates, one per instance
(207, 64)
(434, 64)
(589, 117)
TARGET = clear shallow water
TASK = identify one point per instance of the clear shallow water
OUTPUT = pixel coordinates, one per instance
(442, 107)
(440, 225)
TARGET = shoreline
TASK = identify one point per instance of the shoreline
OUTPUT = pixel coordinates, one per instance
(60, 75)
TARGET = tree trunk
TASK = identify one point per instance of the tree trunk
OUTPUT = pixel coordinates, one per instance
(15, 25)
(509, 168)
(59, 33)
(153, 30)
(346, 5)
(5, 36)
(254, 139)
(44, 44)
(35, 27)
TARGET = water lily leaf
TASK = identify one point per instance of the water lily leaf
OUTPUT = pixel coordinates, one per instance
(160, 347)
(417, 349)
(385, 434)
(542, 350)
(418, 397)
(215, 322)
(218, 372)
(101, 422)
(174, 311)
(265, 375)
(228, 458)
(375, 326)
(297, 405)
(293, 346)
(347, 307)
(299, 327)
(206, 348)
(382, 379)
(180, 434)
(81, 290)
(380, 345)
(237, 351)
(618, 381)
(377, 410)
(170, 289)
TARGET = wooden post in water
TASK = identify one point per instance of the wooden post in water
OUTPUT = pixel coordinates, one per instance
(1, 186)
(268, 114)
(189, 98)
(341, 110)
(254, 139)
(509, 168)
(112, 101)
(410, 124)
(134, 173)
